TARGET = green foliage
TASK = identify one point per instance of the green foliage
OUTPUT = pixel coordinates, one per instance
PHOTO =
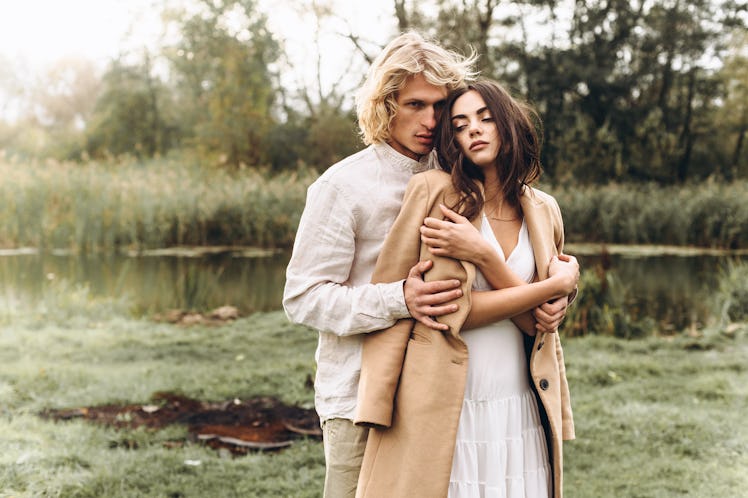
(131, 115)
(168, 202)
(224, 80)
(627, 90)
(710, 214)
(730, 300)
(601, 308)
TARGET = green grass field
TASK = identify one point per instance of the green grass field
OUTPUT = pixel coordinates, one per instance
(655, 417)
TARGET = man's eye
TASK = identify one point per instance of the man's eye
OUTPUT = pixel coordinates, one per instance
(489, 118)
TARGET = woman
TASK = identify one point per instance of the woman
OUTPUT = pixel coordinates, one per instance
(488, 137)
(474, 428)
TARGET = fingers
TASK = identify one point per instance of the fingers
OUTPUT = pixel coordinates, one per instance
(433, 295)
(428, 300)
(436, 223)
(550, 315)
(555, 307)
(451, 215)
(426, 314)
(419, 268)
(432, 233)
(431, 323)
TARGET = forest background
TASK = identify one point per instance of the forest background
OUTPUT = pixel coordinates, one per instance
(638, 91)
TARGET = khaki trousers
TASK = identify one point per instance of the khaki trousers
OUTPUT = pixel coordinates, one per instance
(344, 450)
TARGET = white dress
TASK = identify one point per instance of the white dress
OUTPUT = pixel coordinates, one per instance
(501, 450)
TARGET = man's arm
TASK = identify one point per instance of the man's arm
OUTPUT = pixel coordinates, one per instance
(316, 293)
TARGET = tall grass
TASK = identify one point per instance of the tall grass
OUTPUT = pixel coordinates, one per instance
(166, 202)
(104, 206)
(730, 300)
(710, 214)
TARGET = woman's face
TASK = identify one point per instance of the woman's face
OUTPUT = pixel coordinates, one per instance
(475, 129)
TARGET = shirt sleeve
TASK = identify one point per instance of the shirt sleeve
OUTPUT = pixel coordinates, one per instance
(316, 293)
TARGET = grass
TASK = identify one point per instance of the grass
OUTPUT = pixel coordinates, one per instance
(658, 418)
(708, 214)
(166, 202)
(654, 417)
(173, 201)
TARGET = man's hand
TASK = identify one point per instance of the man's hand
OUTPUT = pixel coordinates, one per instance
(427, 300)
(550, 315)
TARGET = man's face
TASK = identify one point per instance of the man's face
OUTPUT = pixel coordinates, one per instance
(412, 128)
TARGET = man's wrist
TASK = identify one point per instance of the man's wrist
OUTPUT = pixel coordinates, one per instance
(399, 309)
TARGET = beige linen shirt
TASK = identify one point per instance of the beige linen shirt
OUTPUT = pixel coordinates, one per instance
(349, 211)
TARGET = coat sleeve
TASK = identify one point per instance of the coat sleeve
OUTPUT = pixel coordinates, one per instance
(384, 351)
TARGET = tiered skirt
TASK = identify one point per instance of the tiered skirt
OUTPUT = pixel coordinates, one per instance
(501, 450)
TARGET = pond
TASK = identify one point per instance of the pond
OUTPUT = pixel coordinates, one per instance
(672, 289)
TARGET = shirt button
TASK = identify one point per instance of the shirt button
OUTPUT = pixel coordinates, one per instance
(544, 384)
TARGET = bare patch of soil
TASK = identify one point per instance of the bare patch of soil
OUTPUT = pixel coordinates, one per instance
(239, 426)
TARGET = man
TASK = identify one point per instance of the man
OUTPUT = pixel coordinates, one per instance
(348, 213)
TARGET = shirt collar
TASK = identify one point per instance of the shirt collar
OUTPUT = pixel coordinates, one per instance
(399, 161)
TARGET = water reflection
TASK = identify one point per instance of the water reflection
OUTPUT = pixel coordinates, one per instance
(674, 290)
(670, 289)
(152, 284)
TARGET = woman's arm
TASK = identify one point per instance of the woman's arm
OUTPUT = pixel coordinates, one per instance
(493, 306)
(458, 238)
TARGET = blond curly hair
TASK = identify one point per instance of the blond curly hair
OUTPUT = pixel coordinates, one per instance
(407, 55)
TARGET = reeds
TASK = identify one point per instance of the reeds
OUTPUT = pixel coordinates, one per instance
(128, 205)
(102, 206)
(710, 214)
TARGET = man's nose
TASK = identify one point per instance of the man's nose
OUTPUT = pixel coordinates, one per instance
(430, 118)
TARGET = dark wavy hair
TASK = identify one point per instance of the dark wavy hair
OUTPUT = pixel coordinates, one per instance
(518, 160)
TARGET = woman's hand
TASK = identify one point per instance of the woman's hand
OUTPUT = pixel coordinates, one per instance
(564, 269)
(456, 238)
(550, 315)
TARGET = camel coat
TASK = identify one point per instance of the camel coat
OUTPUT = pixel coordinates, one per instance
(413, 378)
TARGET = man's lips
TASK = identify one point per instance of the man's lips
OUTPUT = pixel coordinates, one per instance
(425, 138)
(477, 144)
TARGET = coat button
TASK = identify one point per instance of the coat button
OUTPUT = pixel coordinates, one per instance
(544, 384)
(540, 345)
(457, 361)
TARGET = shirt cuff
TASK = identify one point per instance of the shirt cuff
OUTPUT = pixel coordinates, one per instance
(394, 295)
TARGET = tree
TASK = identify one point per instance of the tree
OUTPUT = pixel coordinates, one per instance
(133, 113)
(223, 65)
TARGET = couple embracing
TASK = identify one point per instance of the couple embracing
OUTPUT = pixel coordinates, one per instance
(435, 276)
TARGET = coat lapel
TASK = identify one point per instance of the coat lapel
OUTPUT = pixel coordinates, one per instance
(540, 228)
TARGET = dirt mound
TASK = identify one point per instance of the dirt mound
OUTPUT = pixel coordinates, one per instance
(240, 426)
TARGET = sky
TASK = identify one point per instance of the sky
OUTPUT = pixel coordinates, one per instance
(36, 33)
(39, 32)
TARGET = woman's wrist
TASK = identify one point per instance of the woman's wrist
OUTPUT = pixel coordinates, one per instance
(563, 284)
